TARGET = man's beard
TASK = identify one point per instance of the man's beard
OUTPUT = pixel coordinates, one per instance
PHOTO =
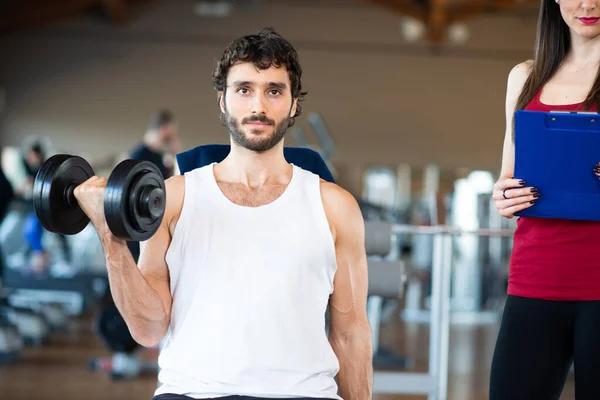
(254, 142)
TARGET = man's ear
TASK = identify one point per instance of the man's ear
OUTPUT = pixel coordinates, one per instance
(222, 101)
(294, 106)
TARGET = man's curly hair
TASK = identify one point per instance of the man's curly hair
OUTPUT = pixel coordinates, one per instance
(265, 49)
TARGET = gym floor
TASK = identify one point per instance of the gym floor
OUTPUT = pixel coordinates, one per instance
(58, 370)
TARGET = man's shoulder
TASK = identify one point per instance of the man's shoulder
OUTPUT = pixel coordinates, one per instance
(333, 192)
(176, 189)
(138, 149)
(340, 205)
(175, 193)
(175, 180)
(176, 183)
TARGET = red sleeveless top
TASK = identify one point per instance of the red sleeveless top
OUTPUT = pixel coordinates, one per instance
(555, 259)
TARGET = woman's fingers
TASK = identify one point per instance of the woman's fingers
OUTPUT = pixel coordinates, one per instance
(506, 194)
(504, 204)
(509, 212)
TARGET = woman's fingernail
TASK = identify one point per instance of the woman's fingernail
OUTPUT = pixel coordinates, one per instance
(536, 195)
(521, 182)
(534, 190)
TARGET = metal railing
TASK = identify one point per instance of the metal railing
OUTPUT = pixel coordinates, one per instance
(434, 383)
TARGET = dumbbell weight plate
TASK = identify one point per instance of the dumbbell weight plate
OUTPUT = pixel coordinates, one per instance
(135, 199)
(53, 199)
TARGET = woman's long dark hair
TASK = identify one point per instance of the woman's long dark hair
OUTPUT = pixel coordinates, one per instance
(553, 42)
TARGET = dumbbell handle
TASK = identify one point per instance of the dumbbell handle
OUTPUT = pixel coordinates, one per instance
(70, 196)
(150, 201)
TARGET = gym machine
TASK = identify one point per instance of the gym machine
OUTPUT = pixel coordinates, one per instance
(387, 281)
(433, 383)
(22, 326)
(72, 282)
(11, 341)
(326, 144)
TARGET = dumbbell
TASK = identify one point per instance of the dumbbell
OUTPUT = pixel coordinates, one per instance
(134, 199)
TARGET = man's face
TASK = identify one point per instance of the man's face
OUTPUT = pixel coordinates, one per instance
(257, 106)
(168, 137)
(168, 132)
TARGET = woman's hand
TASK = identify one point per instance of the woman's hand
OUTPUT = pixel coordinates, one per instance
(511, 196)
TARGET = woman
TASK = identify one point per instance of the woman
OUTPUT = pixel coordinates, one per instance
(552, 313)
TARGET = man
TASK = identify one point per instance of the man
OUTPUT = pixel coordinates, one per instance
(33, 158)
(160, 145)
(250, 253)
(21, 167)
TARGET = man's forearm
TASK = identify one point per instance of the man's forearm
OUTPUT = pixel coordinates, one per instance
(139, 304)
(355, 355)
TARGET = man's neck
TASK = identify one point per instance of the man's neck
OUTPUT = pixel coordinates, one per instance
(254, 170)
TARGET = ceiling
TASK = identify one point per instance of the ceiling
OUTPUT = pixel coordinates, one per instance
(16, 15)
(435, 17)
(438, 15)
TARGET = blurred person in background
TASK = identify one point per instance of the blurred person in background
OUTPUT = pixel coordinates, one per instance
(6, 197)
(6, 193)
(20, 167)
(160, 143)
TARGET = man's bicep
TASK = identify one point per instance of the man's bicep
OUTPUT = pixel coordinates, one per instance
(153, 265)
(153, 252)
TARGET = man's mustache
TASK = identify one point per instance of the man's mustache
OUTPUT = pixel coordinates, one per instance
(258, 118)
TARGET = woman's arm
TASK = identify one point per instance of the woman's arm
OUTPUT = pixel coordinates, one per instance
(510, 194)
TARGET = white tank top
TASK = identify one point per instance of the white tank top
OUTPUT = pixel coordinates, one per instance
(250, 289)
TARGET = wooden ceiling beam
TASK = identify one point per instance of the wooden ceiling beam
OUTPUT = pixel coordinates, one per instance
(473, 9)
(416, 9)
(437, 15)
(437, 21)
(117, 11)
(27, 14)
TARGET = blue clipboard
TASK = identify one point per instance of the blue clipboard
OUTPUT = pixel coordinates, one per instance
(557, 152)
